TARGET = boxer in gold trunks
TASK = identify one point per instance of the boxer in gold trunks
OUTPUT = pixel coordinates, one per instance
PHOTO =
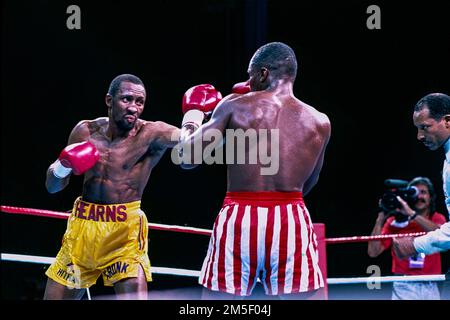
(107, 232)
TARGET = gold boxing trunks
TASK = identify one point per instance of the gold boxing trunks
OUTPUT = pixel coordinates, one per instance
(106, 239)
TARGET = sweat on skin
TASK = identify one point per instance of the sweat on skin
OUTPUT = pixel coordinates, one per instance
(237, 149)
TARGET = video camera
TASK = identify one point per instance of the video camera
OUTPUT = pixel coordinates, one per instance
(389, 202)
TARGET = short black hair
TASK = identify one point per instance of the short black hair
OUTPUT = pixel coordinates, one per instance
(427, 182)
(437, 103)
(278, 58)
(115, 84)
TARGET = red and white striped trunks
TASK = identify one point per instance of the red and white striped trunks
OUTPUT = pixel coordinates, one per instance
(262, 235)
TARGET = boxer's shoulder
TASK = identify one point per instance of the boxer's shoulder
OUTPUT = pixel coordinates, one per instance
(235, 102)
(86, 128)
(93, 124)
(154, 130)
(320, 119)
(152, 126)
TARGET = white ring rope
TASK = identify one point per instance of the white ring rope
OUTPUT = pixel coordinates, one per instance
(372, 279)
(194, 273)
(49, 260)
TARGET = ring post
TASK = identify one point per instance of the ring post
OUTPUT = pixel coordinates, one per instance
(319, 229)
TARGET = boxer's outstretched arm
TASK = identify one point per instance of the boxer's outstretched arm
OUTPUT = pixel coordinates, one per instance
(202, 136)
(167, 135)
(53, 182)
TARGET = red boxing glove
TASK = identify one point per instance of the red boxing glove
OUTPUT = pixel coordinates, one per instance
(77, 157)
(198, 101)
(203, 97)
(241, 87)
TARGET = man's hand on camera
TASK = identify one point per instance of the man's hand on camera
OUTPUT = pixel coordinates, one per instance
(405, 208)
(382, 214)
(381, 218)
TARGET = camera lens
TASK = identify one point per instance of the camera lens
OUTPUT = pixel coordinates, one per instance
(389, 201)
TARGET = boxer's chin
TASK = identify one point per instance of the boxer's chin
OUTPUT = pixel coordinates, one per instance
(126, 124)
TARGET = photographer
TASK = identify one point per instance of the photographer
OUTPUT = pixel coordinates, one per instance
(424, 218)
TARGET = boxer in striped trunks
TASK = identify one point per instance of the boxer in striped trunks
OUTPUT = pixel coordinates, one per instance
(265, 235)
(263, 231)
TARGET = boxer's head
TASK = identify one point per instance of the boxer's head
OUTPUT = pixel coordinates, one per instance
(125, 100)
(272, 62)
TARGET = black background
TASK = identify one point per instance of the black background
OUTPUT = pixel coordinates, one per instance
(366, 81)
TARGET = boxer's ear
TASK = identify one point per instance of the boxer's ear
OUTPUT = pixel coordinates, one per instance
(447, 121)
(264, 74)
(108, 100)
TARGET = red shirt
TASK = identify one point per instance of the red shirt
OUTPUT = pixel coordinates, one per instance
(432, 263)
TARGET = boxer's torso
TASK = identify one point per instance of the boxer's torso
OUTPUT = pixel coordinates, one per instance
(302, 138)
(125, 163)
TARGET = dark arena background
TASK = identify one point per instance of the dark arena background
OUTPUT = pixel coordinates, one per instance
(366, 80)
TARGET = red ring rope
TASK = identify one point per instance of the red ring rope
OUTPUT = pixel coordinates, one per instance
(65, 215)
(372, 238)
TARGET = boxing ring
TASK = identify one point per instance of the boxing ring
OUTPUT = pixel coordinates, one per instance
(319, 229)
